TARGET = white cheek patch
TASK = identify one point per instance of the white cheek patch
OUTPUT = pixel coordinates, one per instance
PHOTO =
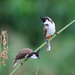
(33, 56)
(47, 22)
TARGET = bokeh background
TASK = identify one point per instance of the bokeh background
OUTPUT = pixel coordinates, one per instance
(25, 30)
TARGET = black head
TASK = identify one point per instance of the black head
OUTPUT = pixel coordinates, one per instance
(37, 53)
(44, 19)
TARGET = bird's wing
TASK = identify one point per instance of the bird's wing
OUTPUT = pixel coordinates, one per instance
(44, 32)
(20, 56)
(22, 53)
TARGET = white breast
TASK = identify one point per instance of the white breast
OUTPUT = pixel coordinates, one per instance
(33, 56)
(50, 29)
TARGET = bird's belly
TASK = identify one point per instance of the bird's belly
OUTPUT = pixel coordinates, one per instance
(50, 31)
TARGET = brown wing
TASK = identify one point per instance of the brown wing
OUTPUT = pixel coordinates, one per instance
(22, 53)
(44, 33)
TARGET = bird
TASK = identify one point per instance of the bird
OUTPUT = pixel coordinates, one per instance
(26, 53)
(48, 30)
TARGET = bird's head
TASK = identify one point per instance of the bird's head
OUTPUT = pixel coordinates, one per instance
(46, 20)
(35, 55)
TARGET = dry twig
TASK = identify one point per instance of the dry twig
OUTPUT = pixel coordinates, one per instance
(36, 70)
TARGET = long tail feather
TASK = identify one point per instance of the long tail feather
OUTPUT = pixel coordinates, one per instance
(15, 63)
(48, 46)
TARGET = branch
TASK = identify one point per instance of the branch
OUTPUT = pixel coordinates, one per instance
(44, 45)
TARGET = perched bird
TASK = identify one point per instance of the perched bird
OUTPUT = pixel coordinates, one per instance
(26, 53)
(48, 30)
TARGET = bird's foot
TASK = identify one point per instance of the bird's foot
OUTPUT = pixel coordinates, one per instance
(21, 64)
(47, 40)
(51, 35)
(56, 33)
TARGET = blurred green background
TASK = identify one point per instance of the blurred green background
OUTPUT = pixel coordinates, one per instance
(25, 30)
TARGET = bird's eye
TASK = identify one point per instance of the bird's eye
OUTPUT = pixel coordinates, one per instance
(47, 25)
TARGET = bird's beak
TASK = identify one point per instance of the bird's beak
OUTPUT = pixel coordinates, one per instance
(40, 17)
(43, 19)
(39, 57)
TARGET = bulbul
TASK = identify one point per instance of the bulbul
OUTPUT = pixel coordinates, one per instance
(48, 30)
(26, 53)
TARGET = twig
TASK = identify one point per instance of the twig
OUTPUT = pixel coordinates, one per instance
(36, 70)
(43, 45)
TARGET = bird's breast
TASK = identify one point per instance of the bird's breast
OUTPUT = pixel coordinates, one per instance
(50, 31)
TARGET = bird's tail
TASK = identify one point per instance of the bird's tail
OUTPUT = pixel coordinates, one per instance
(48, 46)
(15, 63)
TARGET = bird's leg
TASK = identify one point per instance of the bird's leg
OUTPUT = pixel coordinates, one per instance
(21, 63)
(47, 40)
(56, 33)
(51, 35)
